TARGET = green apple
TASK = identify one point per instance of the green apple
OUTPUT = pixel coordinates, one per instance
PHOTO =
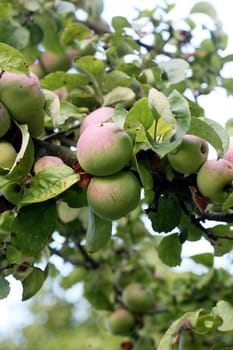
(100, 115)
(104, 149)
(112, 197)
(12, 192)
(46, 161)
(22, 96)
(8, 154)
(121, 322)
(214, 179)
(5, 120)
(52, 62)
(188, 157)
(138, 298)
(144, 342)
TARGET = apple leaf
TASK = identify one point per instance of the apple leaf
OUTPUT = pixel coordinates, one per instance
(33, 226)
(139, 114)
(120, 94)
(33, 283)
(49, 183)
(12, 60)
(224, 310)
(205, 7)
(205, 259)
(160, 106)
(169, 250)
(175, 70)
(4, 287)
(98, 232)
(74, 32)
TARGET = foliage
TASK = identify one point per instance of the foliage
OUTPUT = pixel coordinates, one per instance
(152, 73)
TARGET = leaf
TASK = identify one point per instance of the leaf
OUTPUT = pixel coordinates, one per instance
(224, 310)
(206, 8)
(167, 216)
(33, 226)
(4, 287)
(206, 259)
(12, 60)
(93, 68)
(171, 337)
(120, 22)
(74, 32)
(49, 183)
(33, 283)
(139, 114)
(52, 106)
(175, 70)
(169, 250)
(120, 94)
(98, 232)
(212, 132)
(160, 106)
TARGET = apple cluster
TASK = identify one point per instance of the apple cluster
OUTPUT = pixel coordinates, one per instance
(214, 176)
(21, 101)
(104, 151)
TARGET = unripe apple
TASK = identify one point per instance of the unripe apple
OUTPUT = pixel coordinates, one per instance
(112, 197)
(188, 157)
(228, 155)
(214, 179)
(121, 322)
(52, 62)
(104, 149)
(100, 115)
(5, 120)
(138, 298)
(145, 342)
(8, 154)
(12, 192)
(46, 161)
(22, 96)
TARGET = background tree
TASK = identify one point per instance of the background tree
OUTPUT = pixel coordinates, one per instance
(142, 79)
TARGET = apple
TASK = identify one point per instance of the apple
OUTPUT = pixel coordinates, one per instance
(228, 155)
(12, 192)
(52, 62)
(46, 161)
(121, 322)
(22, 96)
(8, 154)
(5, 120)
(104, 149)
(100, 115)
(214, 179)
(144, 342)
(138, 298)
(188, 157)
(112, 197)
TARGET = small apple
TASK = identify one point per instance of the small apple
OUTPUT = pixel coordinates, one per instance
(188, 157)
(112, 197)
(8, 154)
(46, 161)
(120, 322)
(100, 115)
(52, 62)
(104, 149)
(5, 120)
(214, 179)
(138, 298)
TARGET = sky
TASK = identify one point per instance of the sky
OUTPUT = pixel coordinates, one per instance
(217, 106)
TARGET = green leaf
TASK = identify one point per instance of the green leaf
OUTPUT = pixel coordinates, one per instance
(224, 310)
(169, 250)
(139, 114)
(119, 22)
(33, 283)
(206, 8)
(93, 68)
(181, 112)
(49, 183)
(168, 214)
(52, 106)
(175, 70)
(160, 106)
(73, 32)
(4, 287)
(98, 232)
(120, 94)
(33, 226)
(212, 132)
(206, 259)
(12, 60)
(186, 321)
(56, 80)
(222, 246)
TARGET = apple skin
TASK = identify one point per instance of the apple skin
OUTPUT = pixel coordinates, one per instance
(188, 157)
(213, 178)
(5, 120)
(112, 197)
(22, 96)
(100, 115)
(121, 322)
(8, 154)
(228, 155)
(52, 62)
(46, 161)
(104, 149)
(138, 298)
